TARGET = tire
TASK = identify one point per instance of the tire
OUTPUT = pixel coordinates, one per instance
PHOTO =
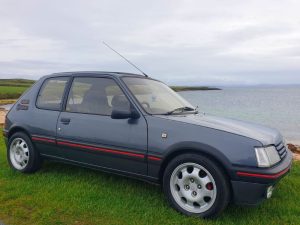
(196, 186)
(22, 155)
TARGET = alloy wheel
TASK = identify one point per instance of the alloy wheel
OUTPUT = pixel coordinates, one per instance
(19, 153)
(193, 187)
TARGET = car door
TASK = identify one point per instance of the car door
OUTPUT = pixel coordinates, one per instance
(89, 135)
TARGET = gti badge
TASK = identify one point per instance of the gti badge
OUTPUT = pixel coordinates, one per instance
(164, 135)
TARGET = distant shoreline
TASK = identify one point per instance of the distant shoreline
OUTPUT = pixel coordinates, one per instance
(194, 88)
(13, 89)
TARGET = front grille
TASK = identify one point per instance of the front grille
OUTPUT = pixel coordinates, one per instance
(281, 149)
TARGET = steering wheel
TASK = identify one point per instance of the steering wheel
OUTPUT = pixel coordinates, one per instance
(145, 104)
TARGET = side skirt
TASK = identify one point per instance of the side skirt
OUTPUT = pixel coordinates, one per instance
(148, 179)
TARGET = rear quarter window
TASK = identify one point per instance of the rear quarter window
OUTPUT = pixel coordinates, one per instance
(51, 93)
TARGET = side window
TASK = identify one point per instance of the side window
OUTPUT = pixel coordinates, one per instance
(96, 96)
(51, 93)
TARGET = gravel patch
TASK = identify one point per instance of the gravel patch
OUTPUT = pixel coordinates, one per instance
(2, 118)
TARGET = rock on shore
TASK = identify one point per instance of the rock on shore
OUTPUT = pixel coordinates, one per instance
(294, 148)
(296, 151)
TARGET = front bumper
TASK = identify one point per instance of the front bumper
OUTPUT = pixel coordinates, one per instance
(250, 187)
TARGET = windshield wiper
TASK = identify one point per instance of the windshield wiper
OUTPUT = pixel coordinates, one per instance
(182, 109)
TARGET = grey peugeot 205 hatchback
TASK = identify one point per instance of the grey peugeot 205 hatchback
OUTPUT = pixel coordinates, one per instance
(137, 126)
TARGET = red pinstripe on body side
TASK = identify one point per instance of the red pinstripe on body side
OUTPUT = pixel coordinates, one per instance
(154, 158)
(258, 175)
(43, 139)
(100, 149)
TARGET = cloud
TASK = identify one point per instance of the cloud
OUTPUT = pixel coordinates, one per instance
(179, 42)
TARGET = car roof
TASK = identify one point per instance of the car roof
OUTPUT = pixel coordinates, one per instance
(88, 73)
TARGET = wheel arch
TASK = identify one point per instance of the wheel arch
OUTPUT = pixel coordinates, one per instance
(16, 129)
(208, 151)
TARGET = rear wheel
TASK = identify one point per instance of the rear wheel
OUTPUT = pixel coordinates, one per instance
(196, 185)
(21, 154)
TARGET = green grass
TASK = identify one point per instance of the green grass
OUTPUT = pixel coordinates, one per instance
(16, 82)
(13, 88)
(11, 92)
(64, 194)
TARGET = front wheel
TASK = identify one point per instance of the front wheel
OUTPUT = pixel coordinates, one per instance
(196, 185)
(21, 154)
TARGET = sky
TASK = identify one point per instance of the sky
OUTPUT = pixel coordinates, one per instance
(181, 42)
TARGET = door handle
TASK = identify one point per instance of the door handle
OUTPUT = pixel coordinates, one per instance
(65, 121)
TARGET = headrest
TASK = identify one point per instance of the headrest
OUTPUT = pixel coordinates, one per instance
(120, 101)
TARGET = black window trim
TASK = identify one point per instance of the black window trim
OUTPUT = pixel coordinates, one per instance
(63, 96)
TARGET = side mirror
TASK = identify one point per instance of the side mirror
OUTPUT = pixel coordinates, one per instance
(124, 114)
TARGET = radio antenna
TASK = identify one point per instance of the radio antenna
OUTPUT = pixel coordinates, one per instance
(125, 59)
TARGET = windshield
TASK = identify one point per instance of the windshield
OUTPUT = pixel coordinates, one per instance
(156, 97)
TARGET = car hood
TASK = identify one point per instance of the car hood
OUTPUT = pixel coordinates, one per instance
(263, 134)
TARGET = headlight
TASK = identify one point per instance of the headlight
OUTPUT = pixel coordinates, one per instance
(267, 156)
